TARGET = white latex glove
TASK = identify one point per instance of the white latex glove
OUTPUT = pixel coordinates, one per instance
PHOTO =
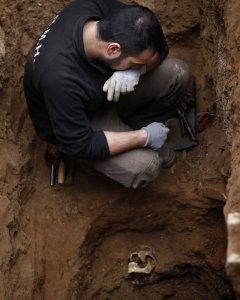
(156, 135)
(122, 82)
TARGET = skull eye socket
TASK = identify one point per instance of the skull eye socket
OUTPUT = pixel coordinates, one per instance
(136, 258)
(149, 258)
(141, 261)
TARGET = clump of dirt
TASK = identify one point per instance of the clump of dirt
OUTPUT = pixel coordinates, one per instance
(74, 242)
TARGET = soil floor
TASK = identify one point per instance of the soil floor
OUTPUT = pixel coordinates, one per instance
(74, 242)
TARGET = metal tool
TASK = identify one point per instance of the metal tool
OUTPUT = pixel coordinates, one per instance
(61, 172)
(53, 175)
(65, 171)
(206, 116)
(186, 125)
(61, 166)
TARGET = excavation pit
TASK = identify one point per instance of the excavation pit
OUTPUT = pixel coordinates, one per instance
(74, 242)
(189, 243)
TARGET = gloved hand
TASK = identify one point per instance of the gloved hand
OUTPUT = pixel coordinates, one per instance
(156, 135)
(122, 82)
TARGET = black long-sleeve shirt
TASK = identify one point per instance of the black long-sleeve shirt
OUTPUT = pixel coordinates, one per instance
(63, 87)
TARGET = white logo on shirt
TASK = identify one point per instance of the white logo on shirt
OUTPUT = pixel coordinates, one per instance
(42, 37)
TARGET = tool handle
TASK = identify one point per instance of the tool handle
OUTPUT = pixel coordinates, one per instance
(186, 124)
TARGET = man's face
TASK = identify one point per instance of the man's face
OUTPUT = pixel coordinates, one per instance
(124, 62)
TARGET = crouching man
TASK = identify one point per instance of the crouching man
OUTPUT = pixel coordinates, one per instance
(99, 85)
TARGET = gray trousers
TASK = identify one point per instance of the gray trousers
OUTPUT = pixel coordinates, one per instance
(154, 99)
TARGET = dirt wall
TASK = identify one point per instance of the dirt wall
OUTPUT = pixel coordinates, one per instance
(208, 31)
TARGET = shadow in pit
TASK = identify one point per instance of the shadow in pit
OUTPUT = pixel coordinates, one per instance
(189, 242)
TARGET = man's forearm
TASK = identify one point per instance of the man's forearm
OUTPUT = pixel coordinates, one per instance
(119, 142)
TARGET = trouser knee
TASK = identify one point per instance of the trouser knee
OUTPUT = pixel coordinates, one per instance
(177, 74)
(133, 169)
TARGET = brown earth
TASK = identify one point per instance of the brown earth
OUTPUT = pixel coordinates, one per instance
(74, 242)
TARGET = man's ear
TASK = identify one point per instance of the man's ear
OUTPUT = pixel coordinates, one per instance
(114, 50)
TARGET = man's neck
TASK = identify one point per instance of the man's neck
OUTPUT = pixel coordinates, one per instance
(92, 45)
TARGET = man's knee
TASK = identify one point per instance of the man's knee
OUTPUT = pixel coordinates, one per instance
(133, 169)
(174, 76)
(166, 83)
(177, 71)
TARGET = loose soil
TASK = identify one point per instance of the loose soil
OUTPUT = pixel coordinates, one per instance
(74, 242)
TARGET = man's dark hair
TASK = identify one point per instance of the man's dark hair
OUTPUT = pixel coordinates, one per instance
(135, 28)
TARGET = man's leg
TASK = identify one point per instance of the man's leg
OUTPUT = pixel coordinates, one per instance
(154, 99)
(134, 168)
(157, 95)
